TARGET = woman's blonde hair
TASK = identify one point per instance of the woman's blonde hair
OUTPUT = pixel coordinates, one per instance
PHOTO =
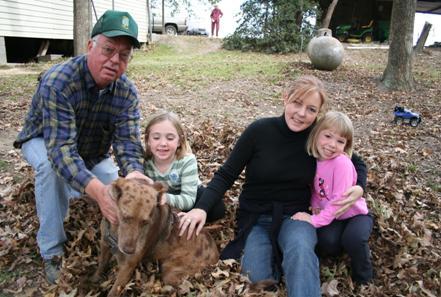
(305, 85)
(183, 147)
(334, 120)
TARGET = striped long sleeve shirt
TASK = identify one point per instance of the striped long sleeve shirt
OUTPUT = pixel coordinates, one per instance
(181, 178)
(80, 123)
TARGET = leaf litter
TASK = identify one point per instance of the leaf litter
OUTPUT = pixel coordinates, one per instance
(403, 190)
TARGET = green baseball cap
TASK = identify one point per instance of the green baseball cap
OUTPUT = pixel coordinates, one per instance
(115, 23)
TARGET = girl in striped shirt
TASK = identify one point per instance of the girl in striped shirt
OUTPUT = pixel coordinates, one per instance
(168, 159)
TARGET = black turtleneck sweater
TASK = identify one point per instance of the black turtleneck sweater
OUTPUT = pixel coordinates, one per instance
(278, 169)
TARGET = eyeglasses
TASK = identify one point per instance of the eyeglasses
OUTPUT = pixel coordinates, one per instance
(322, 189)
(109, 52)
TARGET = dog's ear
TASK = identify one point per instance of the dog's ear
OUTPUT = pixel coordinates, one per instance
(115, 190)
(161, 188)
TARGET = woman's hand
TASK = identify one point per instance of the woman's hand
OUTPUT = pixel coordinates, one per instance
(302, 216)
(193, 220)
(348, 199)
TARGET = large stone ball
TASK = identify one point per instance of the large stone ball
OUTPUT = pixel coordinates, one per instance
(325, 52)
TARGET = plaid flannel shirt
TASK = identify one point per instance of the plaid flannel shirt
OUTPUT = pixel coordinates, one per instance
(79, 123)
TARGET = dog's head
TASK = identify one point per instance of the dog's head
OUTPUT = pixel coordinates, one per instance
(136, 201)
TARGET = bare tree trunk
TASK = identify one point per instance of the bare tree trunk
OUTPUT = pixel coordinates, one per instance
(423, 37)
(163, 17)
(82, 25)
(398, 73)
(149, 22)
(299, 14)
(329, 13)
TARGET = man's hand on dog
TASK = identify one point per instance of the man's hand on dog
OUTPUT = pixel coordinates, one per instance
(194, 221)
(100, 193)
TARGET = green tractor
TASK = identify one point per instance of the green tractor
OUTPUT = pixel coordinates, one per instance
(355, 33)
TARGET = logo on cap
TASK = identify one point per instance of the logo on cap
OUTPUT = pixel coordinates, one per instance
(125, 22)
(117, 23)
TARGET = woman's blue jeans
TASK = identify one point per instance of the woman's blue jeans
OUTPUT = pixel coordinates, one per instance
(52, 195)
(297, 240)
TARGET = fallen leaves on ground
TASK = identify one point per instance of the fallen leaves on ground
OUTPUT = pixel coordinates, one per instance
(403, 192)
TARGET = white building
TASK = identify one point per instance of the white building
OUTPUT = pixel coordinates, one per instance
(435, 30)
(25, 23)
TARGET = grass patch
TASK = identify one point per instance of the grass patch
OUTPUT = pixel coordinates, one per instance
(412, 168)
(434, 185)
(17, 87)
(431, 75)
(374, 67)
(20, 82)
(7, 276)
(3, 165)
(196, 70)
(186, 68)
(20, 178)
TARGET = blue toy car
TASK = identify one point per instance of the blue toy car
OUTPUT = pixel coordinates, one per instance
(406, 116)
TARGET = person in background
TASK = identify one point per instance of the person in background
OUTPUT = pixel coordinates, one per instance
(168, 159)
(215, 16)
(278, 175)
(330, 142)
(79, 110)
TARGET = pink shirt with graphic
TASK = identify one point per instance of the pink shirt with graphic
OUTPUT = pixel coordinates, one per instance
(332, 178)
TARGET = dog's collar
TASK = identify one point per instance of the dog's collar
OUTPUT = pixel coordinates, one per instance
(110, 238)
(171, 220)
(164, 233)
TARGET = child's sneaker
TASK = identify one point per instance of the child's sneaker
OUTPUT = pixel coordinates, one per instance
(52, 269)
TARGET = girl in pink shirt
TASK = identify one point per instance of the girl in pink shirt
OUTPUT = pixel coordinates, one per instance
(330, 142)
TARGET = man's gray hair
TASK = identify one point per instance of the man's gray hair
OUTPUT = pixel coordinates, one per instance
(96, 37)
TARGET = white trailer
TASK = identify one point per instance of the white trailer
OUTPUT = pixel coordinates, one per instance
(52, 20)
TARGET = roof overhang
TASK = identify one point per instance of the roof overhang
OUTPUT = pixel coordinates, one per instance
(429, 6)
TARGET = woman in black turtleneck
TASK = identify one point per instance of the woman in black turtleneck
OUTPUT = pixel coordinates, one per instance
(278, 175)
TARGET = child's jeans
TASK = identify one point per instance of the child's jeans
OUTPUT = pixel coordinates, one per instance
(350, 235)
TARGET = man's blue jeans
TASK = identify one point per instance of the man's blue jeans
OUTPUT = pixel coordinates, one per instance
(297, 240)
(52, 195)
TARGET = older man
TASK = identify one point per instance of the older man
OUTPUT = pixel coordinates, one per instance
(80, 109)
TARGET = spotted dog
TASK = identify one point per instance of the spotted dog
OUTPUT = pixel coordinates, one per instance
(149, 231)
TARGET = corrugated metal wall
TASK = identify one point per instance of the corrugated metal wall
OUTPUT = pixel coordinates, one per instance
(53, 19)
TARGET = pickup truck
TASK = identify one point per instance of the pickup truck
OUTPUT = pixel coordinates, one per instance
(173, 24)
